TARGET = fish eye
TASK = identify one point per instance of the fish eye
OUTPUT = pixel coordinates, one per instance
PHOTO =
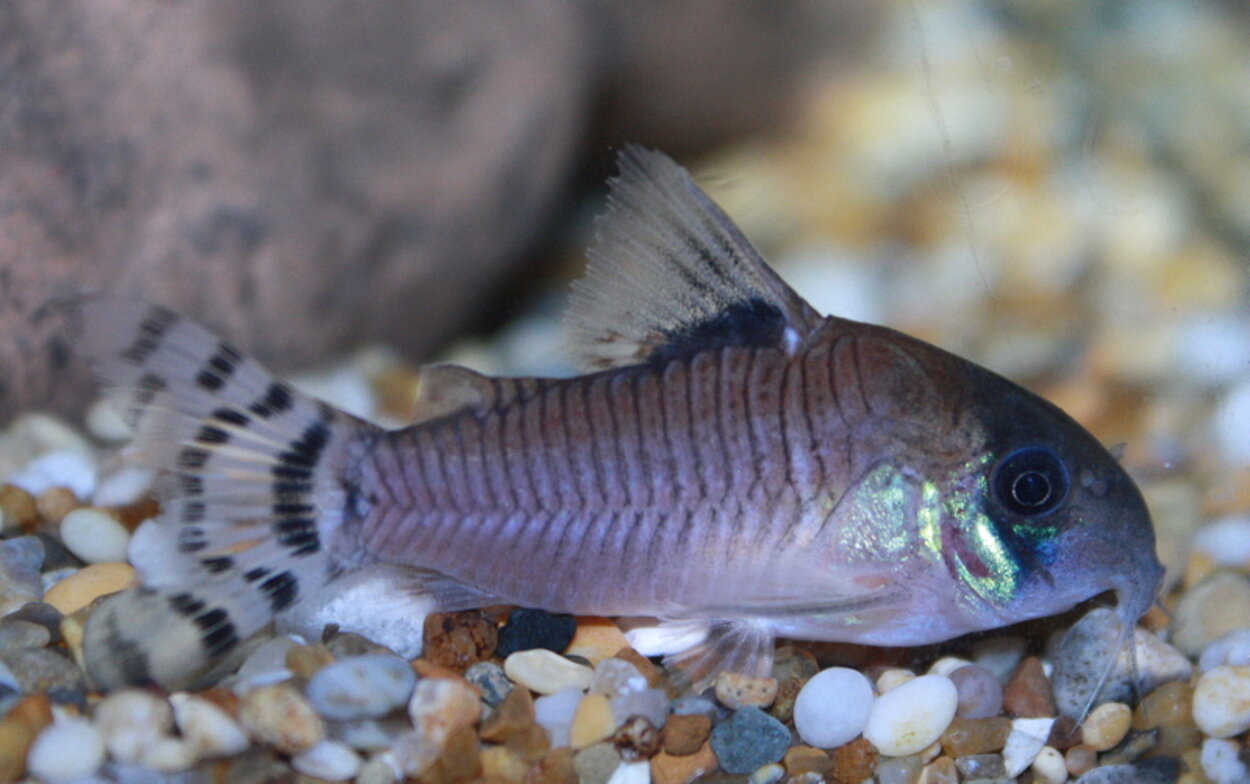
(1030, 481)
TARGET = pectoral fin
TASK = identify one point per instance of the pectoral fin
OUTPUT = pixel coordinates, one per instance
(670, 275)
(698, 651)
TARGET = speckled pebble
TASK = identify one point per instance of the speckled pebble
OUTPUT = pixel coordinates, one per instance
(66, 750)
(1222, 702)
(20, 562)
(749, 739)
(833, 707)
(361, 687)
(281, 717)
(329, 760)
(980, 693)
(15, 633)
(909, 717)
(529, 629)
(41, 671)
(458, 640)
(207, 729)
(735, 691)
(1027, 738)
(1106, 725)
(546, 672)
(637, 739)
(491, 680)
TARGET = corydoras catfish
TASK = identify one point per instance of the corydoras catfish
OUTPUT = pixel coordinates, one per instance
(733, 464)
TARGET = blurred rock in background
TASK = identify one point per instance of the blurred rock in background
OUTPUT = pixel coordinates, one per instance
(305, 176)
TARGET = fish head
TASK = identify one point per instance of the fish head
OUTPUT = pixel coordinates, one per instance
(1056, 518)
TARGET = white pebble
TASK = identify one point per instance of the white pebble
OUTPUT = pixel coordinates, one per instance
(1050, 766)
(909, 717)
(361, 687)
(131, 721)
(766, 774)
(832, 708)
(631, 773)
(1231, 649)
(555, 712)
(1027, 738)
(1222, 702)
(893, 678)
(947, 664)
(67, 749)
(651, 704)
(94, 536)
(329, 760)
(1227, 540)
(266, 665)
(124, 486)
(547, 672)
(1221, 762)
(105, 422)
(1230, 424)
(69, 468)
(208, 730)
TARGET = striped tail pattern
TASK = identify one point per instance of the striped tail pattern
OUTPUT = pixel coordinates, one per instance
(256, 482)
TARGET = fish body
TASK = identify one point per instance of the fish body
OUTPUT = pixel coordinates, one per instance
(735, 465)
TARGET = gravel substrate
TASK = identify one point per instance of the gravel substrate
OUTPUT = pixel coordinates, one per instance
(1043, 213)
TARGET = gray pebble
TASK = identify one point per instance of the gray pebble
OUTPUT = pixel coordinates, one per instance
(361, 687)
(1127, 774)
(20, 562)
(899, 770)
(43, 614)
(40, 671)
(23, 634)
(10, 690)
(490, 679)
(748, 740)
(981, 766)
(596, 764)
(980, 693)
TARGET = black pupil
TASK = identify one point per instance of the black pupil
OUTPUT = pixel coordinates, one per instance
(1031, 489)
(1031, 481)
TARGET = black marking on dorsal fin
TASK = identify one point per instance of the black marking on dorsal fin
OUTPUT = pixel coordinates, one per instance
(670, 274)
(748, 323)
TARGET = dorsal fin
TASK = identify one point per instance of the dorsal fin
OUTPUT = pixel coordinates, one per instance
(670, 274)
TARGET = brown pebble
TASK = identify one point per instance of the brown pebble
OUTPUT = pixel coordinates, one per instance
(1028, 694)
(513, 715)
(1064, 733)
(554, 767)
(307, 660)
(1080, 759)
(132, 514)
(787, 692)
(674, 769)
(18, 507)
(854, 762)
(965, 737)
(54, 503)
(644, 665)
(806, 759)
(18, 730)
(1175, 740)
(941, 771)
(281, 716)
(685, 734)
(459, 640)
(424, 668)
(530, 743)
(460, 760)
(636, 739)
(793, 662)
(1169, 705)
(736, 691)
(499, 762)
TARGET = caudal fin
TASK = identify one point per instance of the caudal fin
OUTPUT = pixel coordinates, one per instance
(256, 480)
